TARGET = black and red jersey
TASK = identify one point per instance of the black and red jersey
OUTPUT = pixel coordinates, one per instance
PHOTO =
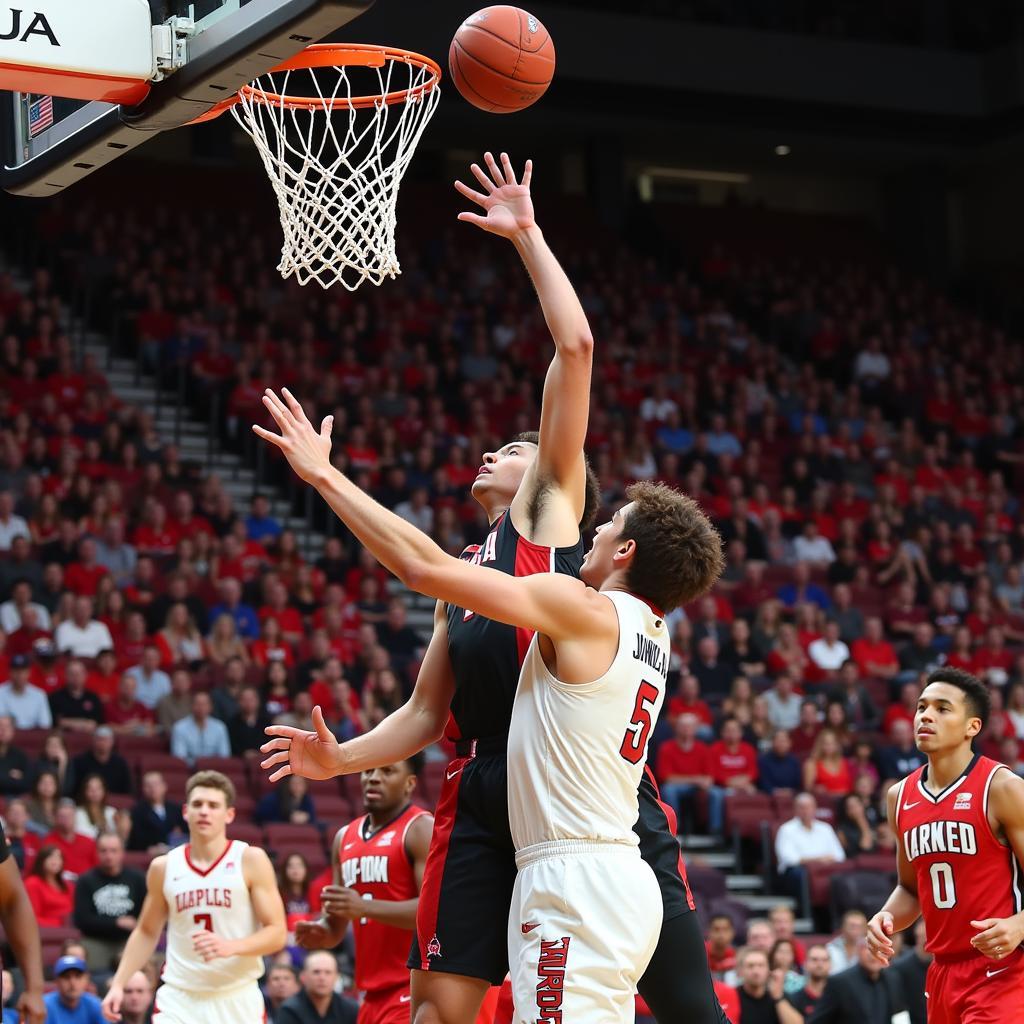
(486, 655)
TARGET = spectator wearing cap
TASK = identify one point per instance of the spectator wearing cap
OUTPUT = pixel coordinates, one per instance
(48, 671)
(11, 525)
(13, 609)
(71, 1003)
(14, 763)
(82, 636)
(74, 707)
(101, 759)
(79, 850)
(152, 682)
(26, 704)
(200, 734)
(155, 822)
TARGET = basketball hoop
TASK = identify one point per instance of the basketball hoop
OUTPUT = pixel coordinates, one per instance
(336, 156)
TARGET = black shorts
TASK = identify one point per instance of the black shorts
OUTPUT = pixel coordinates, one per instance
(462, 921)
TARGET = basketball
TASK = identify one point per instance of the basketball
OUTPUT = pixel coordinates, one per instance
(502, 59)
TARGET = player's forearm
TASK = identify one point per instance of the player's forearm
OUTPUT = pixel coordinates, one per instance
(270, 939)
(19, 922)
(137, 950)
(562, 309)
(397, 545)
(397, 737)
(904, 907)
(397, 913)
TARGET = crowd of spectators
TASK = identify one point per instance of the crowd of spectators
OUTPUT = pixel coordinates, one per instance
(853, 434)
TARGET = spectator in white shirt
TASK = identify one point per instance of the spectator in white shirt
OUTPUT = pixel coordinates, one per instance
(872, 366)
(802, 841)
(82, 636)
(11, 526)
(417, 510)
(828, 652)
(843, 948)
(152, 684)
(13, 609)
(811, 547)
(24, 703)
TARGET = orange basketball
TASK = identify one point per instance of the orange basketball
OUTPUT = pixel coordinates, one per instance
(502, 59)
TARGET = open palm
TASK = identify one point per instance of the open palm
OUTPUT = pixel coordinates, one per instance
(313, 755)
(506, 202)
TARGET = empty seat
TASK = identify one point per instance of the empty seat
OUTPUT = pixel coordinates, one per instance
(281, 835)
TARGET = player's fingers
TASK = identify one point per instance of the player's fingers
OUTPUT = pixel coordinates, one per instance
(287, 731)
(470, 193)
(495, 171)
(326, 427)
(281, 416)
(507, 170)
(322, 731)
(486, 182)
(275, 745)
(281, 773)
(473, 218)
(268, 435)
(527, 174)
(295, 409)
(282, 758)
(987, 923)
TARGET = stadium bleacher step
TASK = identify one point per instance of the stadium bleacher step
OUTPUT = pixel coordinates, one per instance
(743, 883)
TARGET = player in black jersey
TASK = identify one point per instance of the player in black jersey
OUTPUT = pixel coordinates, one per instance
(538, 497)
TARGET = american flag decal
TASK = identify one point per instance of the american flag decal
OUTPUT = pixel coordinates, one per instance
(40, 115)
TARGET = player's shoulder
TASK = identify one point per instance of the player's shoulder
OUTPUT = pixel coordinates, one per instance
(1006, 789)
(256, 857)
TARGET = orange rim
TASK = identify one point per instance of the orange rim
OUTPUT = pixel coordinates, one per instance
(336, 55)
(329, 55)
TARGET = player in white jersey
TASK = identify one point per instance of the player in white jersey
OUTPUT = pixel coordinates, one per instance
(586, 913)
(220, 902)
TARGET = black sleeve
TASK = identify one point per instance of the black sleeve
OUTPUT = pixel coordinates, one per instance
(830, 1006)
(5, 850)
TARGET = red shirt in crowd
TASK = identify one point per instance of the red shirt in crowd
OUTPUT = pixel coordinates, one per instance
(79, 852)
(674, 760)
(866, 653)
(117, 713)
(699, 709)
(52, 906)
(727, 764)
(84, 580)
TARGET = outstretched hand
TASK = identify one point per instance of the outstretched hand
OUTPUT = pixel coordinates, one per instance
(307, 451)
(507, 206)
(313, 755)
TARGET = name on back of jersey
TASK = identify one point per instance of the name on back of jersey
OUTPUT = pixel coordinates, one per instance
(364, 869)
(651, 653)
(940, 837)
(214, 897)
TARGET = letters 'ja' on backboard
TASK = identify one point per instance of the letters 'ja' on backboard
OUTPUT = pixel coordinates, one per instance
(208, 53)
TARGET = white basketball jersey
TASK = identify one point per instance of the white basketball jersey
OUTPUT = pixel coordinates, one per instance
(216, 900)
(576, 752)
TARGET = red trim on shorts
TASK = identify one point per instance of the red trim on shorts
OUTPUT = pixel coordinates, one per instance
(433, 875)
(530, 559)
(200, 871)
(670, 817)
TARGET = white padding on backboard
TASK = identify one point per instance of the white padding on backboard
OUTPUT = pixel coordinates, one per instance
(110, 39)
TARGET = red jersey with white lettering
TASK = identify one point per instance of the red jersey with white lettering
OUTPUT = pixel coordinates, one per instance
(964, 873)
(378, 867)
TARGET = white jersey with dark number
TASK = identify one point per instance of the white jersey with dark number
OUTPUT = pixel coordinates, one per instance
(576, 751)
(216, 899)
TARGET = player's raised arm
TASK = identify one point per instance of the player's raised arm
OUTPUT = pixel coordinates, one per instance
(996, 937)
(902, 908)
(558, 475)
(22, 930)
(143, 939)
(549, 603)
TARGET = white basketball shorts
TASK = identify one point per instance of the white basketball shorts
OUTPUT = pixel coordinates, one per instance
(584, 922)
(242, 1005)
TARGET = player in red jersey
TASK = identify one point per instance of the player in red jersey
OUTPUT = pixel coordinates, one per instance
(960, 825)
(378, 863)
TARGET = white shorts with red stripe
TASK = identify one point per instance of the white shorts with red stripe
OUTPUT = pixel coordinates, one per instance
(583, 926)
(242, 1005)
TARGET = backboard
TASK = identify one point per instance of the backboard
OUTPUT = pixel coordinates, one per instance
(48, 143)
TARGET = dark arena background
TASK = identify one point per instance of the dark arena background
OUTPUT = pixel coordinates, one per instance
(795, 230)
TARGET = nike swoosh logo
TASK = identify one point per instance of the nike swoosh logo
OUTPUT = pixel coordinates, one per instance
(907, 807)
(529, 926)
(347, 845)
(992, 974)
(451, 775)
(405, 999)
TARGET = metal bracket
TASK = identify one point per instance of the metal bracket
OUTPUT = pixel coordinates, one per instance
(170, 46)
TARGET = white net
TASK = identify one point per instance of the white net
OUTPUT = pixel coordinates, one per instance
(336, 161)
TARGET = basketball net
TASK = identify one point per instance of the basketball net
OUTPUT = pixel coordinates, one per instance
(336, 158)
